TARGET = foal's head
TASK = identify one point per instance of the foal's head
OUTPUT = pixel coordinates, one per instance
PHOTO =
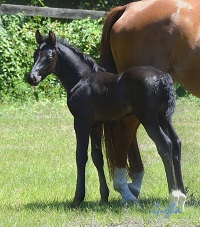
(44, 58)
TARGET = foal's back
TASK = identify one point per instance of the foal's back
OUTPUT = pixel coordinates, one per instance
(140, 90)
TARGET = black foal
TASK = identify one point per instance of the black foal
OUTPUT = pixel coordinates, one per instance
(95, 97)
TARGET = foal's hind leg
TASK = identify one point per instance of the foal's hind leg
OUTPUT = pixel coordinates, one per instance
(180, 195)
(164, 147)
(97, 158)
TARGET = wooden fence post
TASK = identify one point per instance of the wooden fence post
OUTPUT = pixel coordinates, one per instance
(51, 12)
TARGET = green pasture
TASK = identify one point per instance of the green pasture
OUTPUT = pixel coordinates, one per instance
(38, 171)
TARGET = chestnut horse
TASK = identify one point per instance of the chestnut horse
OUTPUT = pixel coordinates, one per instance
(160, 33)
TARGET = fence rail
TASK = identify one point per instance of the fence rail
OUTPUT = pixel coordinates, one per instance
(51, 12)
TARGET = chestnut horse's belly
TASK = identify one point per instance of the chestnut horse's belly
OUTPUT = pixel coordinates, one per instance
(168, 41)
(189, 79)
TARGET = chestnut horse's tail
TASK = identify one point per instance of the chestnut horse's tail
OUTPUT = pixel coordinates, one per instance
(109, 142)
(106, 57)
(107, 61)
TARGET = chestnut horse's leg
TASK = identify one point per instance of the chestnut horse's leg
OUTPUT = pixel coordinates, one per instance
(123, 131)
(82, 137)
(168, 128)
(97, 157)
(136, 169)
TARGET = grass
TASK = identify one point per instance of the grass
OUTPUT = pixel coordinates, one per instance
(38, 171)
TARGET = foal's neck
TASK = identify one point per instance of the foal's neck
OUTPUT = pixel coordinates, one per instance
(70, 68)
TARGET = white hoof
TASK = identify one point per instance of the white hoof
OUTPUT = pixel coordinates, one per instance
(135, 186)
(181, 202)
(134, 190)
(120, 185)
(177, 198)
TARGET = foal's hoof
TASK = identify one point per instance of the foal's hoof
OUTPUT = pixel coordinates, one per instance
(181, 202)
(103, 202)
(177, 199)
(74, 204)
(134, 191)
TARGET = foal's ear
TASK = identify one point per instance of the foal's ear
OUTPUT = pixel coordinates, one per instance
(38, 37)
(52, 38)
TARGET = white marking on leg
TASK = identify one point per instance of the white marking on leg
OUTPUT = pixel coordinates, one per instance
(135, 186)
(174, 197)
(177, 198)
(181, 202)
(120, 185)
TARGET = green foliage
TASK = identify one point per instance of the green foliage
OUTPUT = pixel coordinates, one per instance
(180, 91)
(14, 57)
(85, 34)
(17, 38)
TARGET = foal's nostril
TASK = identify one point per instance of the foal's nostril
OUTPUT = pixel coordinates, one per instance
(34, 79)
(31, 79)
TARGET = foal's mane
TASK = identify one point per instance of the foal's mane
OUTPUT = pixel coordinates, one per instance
(90, 61)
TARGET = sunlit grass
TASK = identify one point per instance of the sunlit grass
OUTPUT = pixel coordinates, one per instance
(38, 171)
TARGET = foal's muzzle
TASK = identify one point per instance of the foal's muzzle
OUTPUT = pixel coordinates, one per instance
(34, 79)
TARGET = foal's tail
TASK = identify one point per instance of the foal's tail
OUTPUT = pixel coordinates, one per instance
(106, 57)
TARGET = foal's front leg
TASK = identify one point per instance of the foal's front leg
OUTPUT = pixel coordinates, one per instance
(97, 157)
(82, 138)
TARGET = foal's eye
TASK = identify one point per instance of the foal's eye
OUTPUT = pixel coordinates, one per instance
(50, 55)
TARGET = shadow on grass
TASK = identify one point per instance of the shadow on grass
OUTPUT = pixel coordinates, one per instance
(193, 199)
(144, 205)
(66, 205)
(114, 205)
